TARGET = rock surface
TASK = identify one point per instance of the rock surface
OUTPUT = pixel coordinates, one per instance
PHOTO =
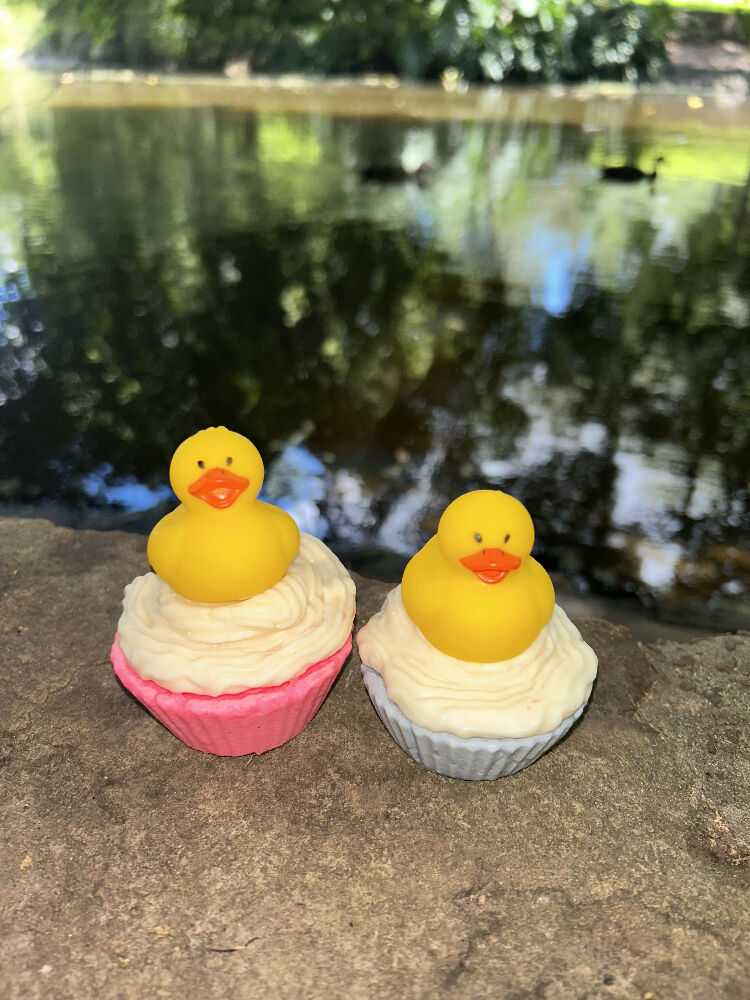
(616, 866)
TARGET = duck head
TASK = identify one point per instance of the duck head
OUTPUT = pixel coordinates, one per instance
(216, 469)
(487, 533)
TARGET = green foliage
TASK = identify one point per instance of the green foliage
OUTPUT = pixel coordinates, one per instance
(481, 39)
(129, 32)
(555, 40)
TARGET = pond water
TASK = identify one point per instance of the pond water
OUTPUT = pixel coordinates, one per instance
(509, 322)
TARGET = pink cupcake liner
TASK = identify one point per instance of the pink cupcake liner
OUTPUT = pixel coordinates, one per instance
(231, 725)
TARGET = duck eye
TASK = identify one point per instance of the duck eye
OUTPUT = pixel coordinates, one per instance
(507, 538)
(477, 538)
(201, 464)
(229, 460)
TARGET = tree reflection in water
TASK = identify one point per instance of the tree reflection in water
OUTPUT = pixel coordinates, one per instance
(511, 325)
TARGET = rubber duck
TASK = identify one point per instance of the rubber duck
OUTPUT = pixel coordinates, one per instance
(474, 590)
(222, 543)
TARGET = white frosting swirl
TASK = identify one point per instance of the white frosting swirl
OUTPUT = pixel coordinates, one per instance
(217, 649)
(526, 695)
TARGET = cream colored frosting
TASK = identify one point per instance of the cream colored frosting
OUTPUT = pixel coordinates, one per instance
(225, 648)
(527, 695)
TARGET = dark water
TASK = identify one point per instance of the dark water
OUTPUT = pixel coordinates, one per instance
(514, 323)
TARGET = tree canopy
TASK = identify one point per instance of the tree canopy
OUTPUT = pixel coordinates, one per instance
(483, 40)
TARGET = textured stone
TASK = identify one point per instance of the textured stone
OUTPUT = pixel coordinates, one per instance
(615, 866)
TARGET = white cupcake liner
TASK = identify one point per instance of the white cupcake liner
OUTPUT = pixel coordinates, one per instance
(478, 758)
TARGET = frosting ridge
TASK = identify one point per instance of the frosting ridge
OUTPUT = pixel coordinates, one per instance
(527, 695)
(213, 649)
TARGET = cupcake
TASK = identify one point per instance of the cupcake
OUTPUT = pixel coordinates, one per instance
(235, 639)
(472, 667)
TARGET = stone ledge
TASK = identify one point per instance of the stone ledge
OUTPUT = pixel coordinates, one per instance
(616, 866)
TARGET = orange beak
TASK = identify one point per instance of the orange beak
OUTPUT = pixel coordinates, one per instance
(491, 565)
(219, 487)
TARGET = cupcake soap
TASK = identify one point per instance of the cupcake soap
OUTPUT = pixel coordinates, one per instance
(471, 666)
(236, 638)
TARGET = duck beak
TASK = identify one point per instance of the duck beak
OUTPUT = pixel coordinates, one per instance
(219, 487)
(491, 565)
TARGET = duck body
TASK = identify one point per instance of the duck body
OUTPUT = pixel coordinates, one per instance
(394, 173)
(221, 544)
(222, 556)
(630, 173)
(474, 590)
(476, 621)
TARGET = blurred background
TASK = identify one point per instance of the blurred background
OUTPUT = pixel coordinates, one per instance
(410, 249)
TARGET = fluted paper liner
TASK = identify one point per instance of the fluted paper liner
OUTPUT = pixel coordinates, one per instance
(231, 725)
(476, 759)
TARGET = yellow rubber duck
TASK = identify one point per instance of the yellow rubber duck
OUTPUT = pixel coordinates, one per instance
(473, 590)
(221, 544)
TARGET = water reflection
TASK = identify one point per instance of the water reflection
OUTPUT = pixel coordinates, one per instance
(511, 323)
